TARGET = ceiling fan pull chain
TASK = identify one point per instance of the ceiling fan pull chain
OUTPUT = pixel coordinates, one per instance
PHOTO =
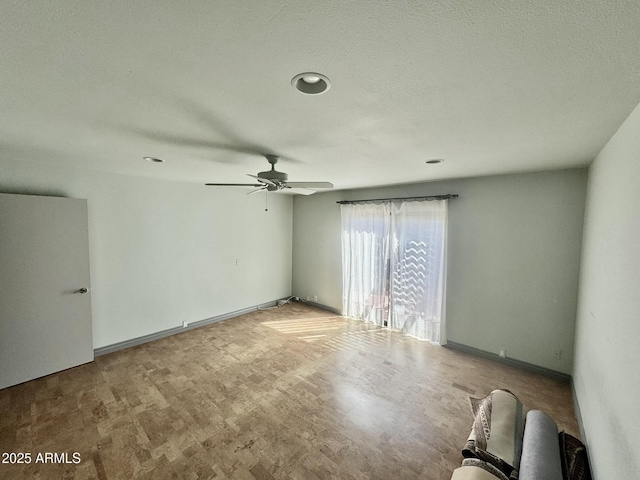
(266, 200)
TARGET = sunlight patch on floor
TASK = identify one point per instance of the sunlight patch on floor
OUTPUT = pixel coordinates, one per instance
(330, 331)
(312, 338)
(308, 329)
(358, 340)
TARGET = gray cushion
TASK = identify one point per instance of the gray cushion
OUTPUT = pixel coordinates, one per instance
(540, 448)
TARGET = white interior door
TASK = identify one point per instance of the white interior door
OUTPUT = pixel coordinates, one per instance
(45, 295)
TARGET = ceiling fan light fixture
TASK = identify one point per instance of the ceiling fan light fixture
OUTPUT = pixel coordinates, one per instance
(433, 161)
(153, 159)
(311, 83)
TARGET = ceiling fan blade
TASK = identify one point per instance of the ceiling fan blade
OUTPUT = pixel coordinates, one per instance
(185, 141)
(264, 187)
(172, 139)
(297, 191)
(263, 180)
(234, 185)
(178, 140)
(232, 140)
(310, 184)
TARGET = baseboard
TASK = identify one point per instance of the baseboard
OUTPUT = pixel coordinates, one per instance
(576, 409)
(512, 362)
(323, 307)
(173, 331)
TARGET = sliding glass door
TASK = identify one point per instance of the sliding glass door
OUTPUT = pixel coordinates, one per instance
(394, 265)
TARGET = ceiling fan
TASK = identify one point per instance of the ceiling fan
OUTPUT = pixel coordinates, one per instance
(273, 181)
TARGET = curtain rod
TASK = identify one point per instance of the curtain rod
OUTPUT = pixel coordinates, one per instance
(427, 197)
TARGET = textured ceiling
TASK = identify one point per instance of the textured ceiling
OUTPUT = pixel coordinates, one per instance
(491, 87)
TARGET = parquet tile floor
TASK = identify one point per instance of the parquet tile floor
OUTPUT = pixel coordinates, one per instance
(286, 393)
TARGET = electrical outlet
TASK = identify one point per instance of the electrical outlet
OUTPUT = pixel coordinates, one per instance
(314, 298)
(503, 353)
(556, 353)
(184, 324)
(237, 262)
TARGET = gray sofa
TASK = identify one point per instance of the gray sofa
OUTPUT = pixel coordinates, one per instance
(507, 442)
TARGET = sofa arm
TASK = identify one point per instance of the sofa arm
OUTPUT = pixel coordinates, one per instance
(496, 435)
(471, 473)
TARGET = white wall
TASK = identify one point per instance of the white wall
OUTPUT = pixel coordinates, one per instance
(513, 262)
(163, 252)
(607, 345)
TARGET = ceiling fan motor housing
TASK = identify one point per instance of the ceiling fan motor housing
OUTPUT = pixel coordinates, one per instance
(274, 176)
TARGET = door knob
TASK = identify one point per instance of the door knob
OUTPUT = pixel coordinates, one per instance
(82, 290)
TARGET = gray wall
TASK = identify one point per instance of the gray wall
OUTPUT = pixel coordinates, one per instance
(608, 321)
(163, 252)
(513, 260)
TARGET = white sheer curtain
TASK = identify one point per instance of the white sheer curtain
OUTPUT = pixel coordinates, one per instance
(365, 261)
(394, 265)
(418, 266)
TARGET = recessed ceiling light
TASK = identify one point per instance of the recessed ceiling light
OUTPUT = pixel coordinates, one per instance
(311, 78)
(311, 83)
(153, 159)
(434, 161)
